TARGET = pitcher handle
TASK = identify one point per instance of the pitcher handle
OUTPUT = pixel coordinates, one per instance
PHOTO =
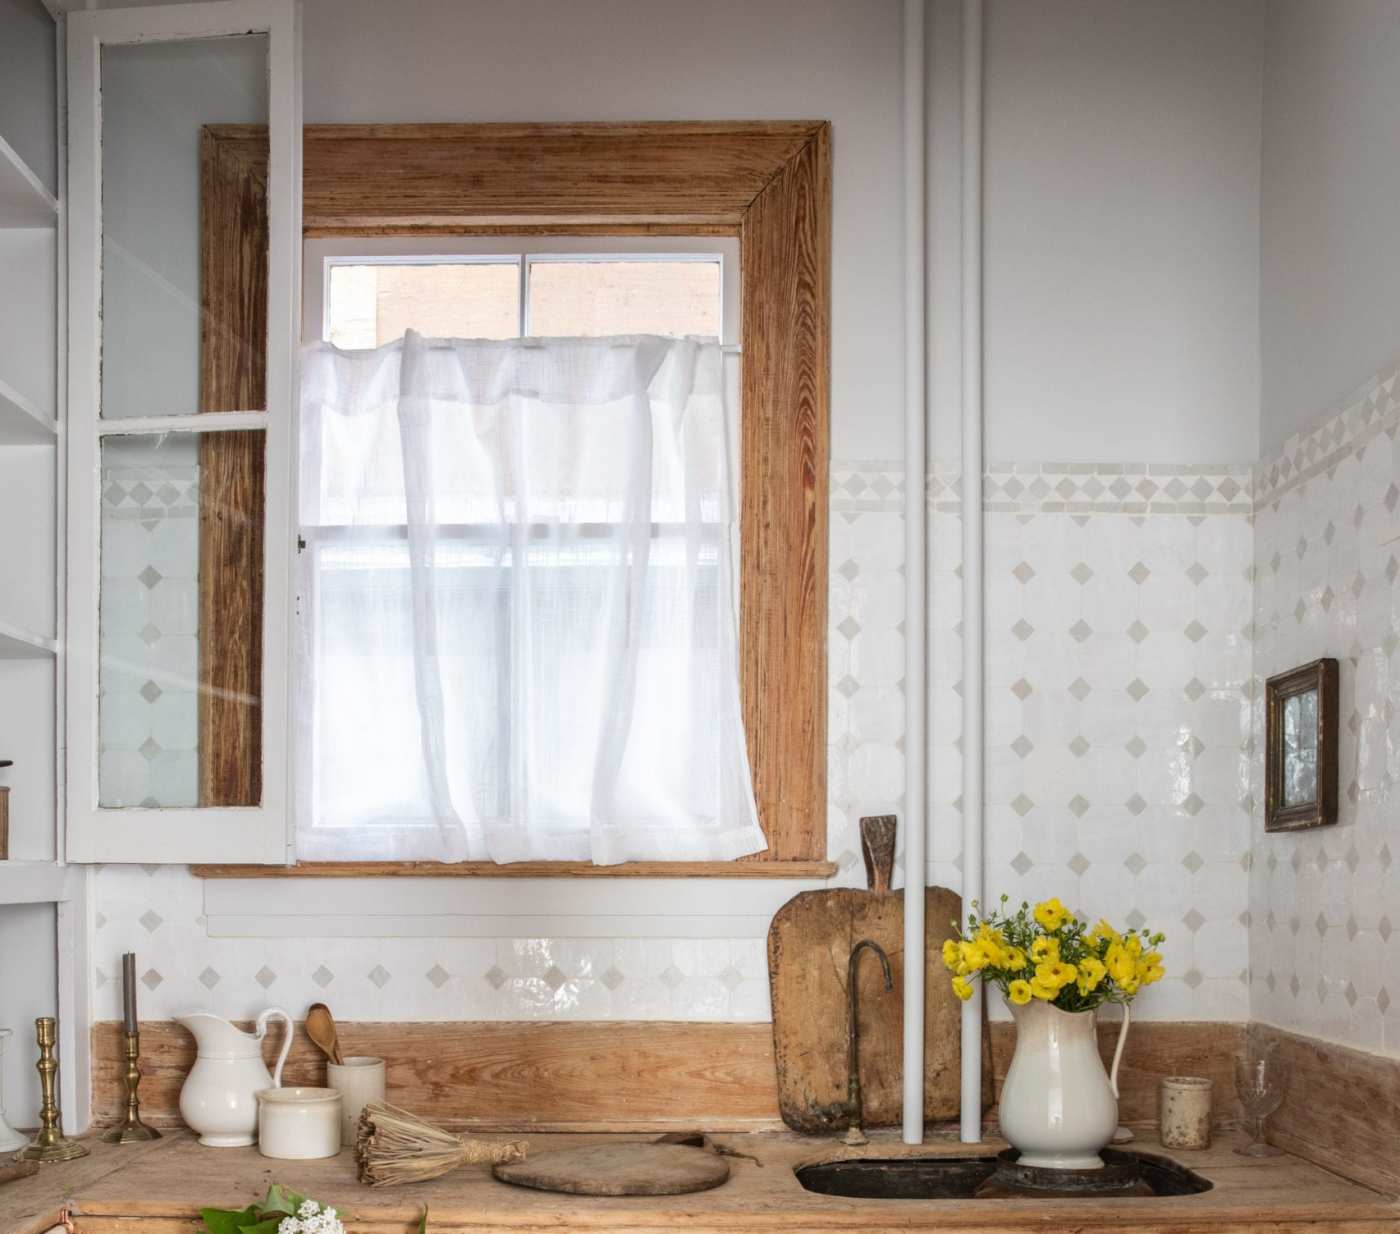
(261, 1032)
(1118, 1051)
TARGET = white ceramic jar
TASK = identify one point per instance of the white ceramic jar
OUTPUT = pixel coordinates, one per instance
(359, 1080)
(298, 1124)
(1183, 1111)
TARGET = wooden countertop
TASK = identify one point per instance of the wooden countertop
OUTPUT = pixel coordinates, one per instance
(164, 1184)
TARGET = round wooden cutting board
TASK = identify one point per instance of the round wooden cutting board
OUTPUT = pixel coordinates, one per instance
(619, 1169)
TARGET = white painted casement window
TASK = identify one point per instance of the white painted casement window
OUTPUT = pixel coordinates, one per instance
(359, 792)
(141, 83)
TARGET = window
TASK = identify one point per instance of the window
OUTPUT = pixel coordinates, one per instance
(763, 187)
(536, 682)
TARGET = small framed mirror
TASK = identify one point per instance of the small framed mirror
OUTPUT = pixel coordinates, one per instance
(1300, 765)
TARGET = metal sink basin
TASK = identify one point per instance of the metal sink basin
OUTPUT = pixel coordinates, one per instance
(962, 1178)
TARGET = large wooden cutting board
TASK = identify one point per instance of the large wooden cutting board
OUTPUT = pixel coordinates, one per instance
(809, 944)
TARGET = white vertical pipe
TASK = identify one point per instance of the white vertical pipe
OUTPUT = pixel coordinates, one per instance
(972, 674)
(915, 588)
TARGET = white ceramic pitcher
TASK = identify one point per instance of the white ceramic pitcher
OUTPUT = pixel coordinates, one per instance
(219, 1099)
(1058, 1105)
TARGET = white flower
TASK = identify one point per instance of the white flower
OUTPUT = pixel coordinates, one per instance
(289, 1225)
(309, 1208)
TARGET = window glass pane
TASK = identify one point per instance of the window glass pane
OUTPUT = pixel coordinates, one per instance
(575, 298)
(369, 305)
(180, 623)
(177, 339)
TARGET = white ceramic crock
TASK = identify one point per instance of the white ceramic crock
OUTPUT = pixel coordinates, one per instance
(1058, 1105)
(298, 1124)
(359, 1080)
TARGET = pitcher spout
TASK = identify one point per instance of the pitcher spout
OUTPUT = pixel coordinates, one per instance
(215, 1037)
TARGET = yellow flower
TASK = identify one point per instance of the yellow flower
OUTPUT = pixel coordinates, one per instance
(1120, 962)
(1051, 914)
(1056, 974)
(962, 987)
(1103, 933)
(1045, 950)
(1091, 972)
(1013, 959)
(1019, 992)
(973, 957)
(1149, 969)
(950, 952)
(1045, 992)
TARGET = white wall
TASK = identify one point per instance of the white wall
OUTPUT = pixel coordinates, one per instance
(1329, 314)
(1122, 191)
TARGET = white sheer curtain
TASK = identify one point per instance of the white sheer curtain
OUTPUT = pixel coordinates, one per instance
(518, 624)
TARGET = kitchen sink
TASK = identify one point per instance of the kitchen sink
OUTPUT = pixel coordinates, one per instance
(998, 1177)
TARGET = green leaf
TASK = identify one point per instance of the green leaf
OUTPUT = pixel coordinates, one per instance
(423, 1222)
(267, 1226)
(282, 1199)
(227, 1220)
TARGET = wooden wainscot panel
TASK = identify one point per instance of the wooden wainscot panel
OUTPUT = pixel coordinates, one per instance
(612, 1075)
(559, 1075)
(1341, 1108)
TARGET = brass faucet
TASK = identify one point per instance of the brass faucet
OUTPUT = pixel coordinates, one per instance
(855, 1136)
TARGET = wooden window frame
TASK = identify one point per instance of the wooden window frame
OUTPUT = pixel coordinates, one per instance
(766, 183)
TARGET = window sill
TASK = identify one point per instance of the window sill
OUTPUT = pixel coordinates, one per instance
(524, 869)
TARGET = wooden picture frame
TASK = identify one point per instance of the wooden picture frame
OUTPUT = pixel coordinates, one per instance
(768, 183)
(1300, 771)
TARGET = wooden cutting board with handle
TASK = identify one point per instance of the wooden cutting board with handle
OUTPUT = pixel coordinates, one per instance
(809, 946)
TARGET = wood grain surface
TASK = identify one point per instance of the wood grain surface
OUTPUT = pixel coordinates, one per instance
(785, 247)
(594, 1075)
(1341, 1107)
(232, 377)
(809, 946)
(158, 1189)
(409, 176)
(769, 183)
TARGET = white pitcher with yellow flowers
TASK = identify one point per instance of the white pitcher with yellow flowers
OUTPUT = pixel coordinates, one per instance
(1059, 1106)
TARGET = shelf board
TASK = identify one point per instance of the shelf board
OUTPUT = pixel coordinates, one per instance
(33, 882)
(20, 644)
(24, 201)
(21, 423)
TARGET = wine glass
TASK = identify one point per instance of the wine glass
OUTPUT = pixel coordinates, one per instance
(1260, 1082)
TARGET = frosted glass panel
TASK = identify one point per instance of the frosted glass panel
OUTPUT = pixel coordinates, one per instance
(642, 296)
(156, 100)
(156, 657)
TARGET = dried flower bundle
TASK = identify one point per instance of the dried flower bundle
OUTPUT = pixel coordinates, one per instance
(395, 1147)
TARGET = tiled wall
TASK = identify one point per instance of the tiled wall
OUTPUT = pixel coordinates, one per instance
(1118, 614)
(1325, 904)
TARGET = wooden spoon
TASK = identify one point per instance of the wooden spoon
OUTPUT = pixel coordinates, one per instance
(320, 1027)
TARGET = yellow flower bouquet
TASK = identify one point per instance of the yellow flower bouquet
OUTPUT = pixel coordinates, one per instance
(1048, 953)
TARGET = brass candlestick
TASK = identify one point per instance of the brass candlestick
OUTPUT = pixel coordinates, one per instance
(50, 1144)
(131, 1130)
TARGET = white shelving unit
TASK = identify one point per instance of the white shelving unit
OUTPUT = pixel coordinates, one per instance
(45, 905)
(21, 423)
(24, 201)
(20, 644)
